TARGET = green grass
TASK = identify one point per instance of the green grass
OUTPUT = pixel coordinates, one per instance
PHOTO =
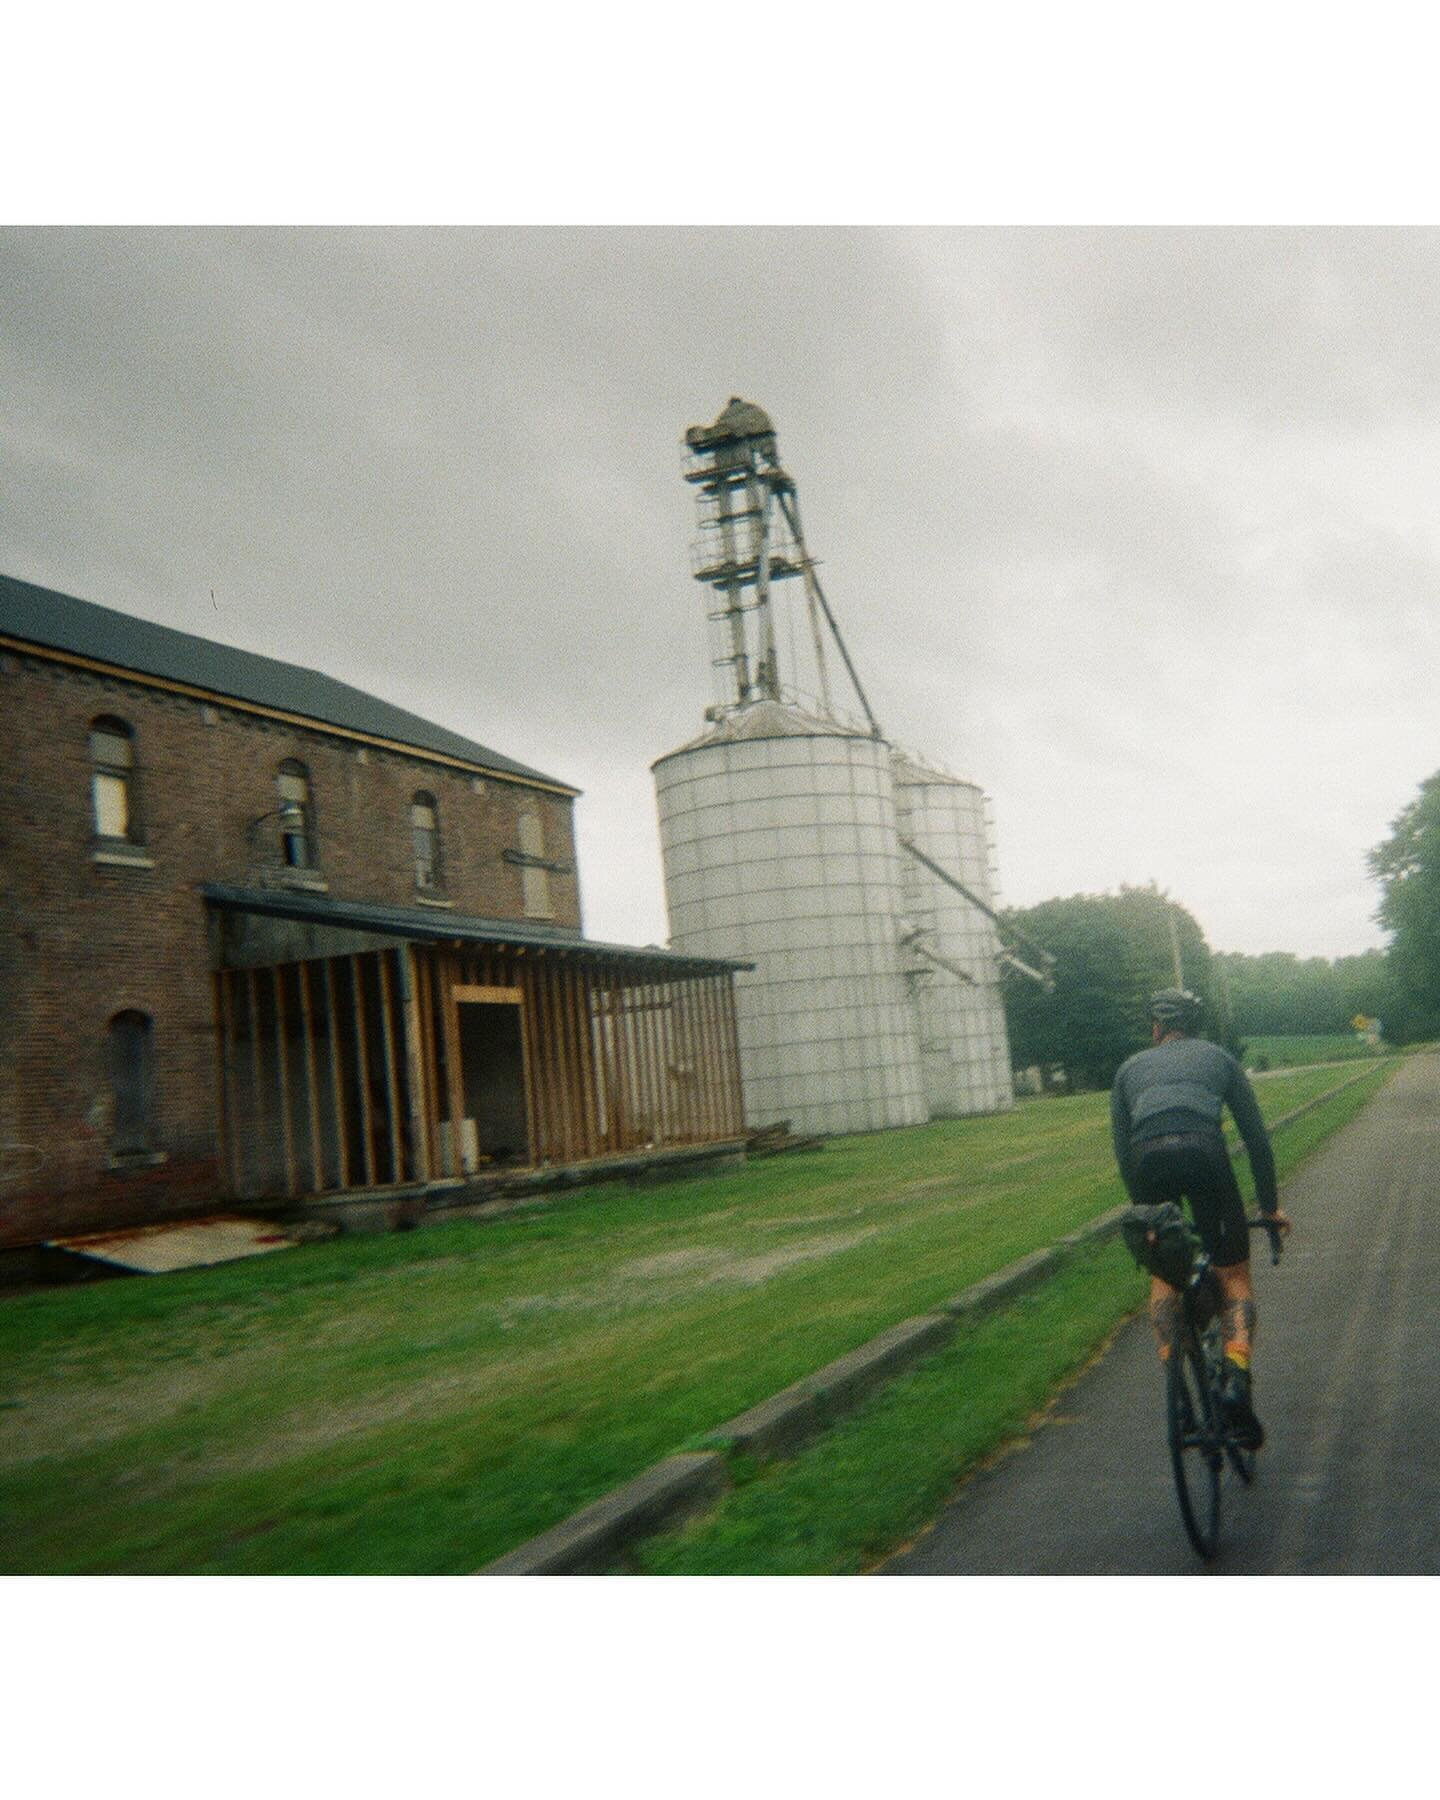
(424, 1401)
(882, 1474)
(879, 1476)
(1296, 1052)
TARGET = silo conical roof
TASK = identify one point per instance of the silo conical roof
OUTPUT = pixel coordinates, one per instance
(766, 719)
(909, 771)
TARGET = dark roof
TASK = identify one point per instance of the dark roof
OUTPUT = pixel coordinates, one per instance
(433, 926)
(60, 622)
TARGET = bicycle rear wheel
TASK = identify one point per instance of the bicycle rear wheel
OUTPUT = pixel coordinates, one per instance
(1195, 1444)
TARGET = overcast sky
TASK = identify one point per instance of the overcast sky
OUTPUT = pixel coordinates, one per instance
(1136, 528)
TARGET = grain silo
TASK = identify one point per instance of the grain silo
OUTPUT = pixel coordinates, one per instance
(777, 830)
(955, 974)
(856, 879)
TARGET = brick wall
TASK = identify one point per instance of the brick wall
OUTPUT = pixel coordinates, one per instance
(81, 940)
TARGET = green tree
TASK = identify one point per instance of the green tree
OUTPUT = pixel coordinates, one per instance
(1279, 994)
(1407, 867)
(1094, 1017)
(1111, 952)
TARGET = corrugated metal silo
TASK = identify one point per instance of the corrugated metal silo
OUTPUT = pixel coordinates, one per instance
(777, 831)
(964, 1048)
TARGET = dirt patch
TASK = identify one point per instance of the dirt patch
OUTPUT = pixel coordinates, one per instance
(671, 1263)
(57, 1422)
(752, 1271)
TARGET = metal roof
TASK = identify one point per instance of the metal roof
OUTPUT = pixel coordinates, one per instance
(58, 621)
(425, 924)
(766, 719)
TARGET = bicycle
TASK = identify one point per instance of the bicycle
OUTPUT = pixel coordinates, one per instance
(1201, 1439)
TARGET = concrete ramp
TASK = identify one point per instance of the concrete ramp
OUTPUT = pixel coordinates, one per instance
(178, 1244)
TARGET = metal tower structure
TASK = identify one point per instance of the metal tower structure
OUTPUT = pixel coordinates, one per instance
(750, 540)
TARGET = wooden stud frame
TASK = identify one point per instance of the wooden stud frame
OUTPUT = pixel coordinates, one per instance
(612, 1055)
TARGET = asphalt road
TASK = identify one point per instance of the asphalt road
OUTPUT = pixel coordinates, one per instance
(1347, 1382)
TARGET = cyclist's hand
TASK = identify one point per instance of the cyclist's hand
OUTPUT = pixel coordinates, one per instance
(1281, 1221)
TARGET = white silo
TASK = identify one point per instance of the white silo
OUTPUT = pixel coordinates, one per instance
(777, 831)
(782, 834)
(955, 980)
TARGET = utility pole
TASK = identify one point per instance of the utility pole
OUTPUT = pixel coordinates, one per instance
(1175, 947)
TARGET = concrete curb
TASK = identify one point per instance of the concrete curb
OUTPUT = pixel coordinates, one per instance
(1310, 1105)
(593, 1539)
(1004, 1284)
(589, 1541)
(787, 1421)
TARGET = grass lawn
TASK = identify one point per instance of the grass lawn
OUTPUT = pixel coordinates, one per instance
(423, 1401)
(1296, 1052)
(882, 1474)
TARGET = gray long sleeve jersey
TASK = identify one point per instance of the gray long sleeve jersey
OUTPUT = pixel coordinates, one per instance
(1181, 1085)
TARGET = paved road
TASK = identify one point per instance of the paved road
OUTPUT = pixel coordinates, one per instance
(1347, 1382)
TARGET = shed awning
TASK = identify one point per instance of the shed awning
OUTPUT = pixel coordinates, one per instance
(426, 926)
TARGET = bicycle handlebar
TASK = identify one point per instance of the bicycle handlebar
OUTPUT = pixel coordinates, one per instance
(1261, 1223)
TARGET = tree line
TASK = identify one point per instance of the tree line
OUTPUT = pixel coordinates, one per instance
(1113, 950)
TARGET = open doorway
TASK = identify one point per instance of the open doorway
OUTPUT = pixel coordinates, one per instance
(496, 1123)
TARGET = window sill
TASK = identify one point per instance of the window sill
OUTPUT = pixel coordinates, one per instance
(135, 1159)
(434, 900)
(305, 879)
(122, 856)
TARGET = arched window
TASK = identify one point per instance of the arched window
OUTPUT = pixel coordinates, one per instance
(112, 768)
(297, 817)
(132, 1083)
(425, 838)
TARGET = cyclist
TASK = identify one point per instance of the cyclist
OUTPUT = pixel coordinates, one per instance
(1165, 1111)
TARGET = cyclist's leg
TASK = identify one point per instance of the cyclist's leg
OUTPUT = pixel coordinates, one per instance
(1219, 1211)
(1164, 1315)
(1157, 1180)
(1237, 1315)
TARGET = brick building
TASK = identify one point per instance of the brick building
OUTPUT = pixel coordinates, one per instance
(264, 937)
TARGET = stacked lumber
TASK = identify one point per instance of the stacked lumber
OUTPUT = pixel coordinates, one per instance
(770, 1140)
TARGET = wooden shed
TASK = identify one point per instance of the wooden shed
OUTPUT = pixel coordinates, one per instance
(363, 1046)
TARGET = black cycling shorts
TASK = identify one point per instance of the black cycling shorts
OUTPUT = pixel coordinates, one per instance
(1195, 1166)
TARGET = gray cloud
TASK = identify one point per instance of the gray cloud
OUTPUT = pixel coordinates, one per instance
(1133, 526)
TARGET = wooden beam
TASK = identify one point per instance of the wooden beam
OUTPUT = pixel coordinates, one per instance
(545, 1130)
(528, 1078)
(655, 1061)
(225, 1147)
(584, 1071)
(362, 1070)
(488, 995)
(414, 1062)
(256, 1086)
(312, 1078)
(450, 1016)
(686, 1059)
(574, 1083)
(392, 1095)
(713, 1040)
(629, 1067)
(732, 1043)
(282, 1066)
(558, 1060)
(337, 1074)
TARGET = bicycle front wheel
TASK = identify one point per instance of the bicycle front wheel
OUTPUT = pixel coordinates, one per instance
(1195, 1444)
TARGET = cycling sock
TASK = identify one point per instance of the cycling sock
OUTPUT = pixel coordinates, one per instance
(1238, 1356)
